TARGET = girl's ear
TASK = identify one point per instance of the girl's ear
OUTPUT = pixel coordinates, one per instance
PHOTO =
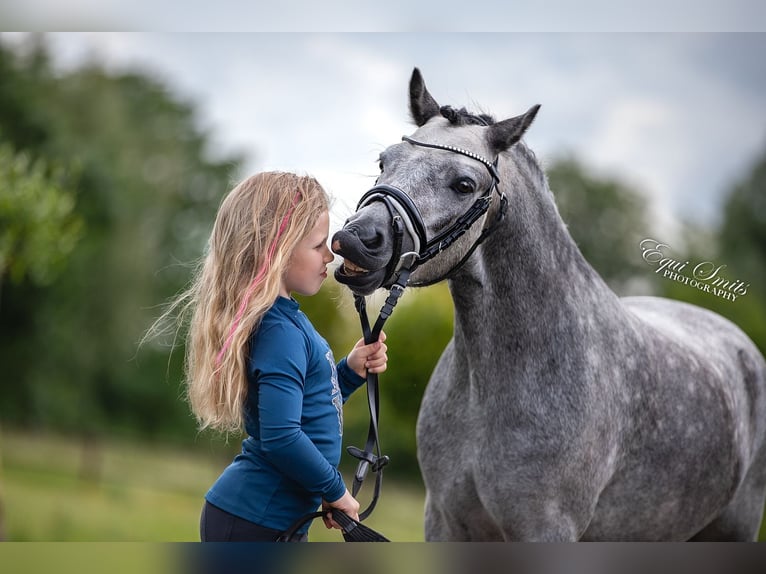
(503, 135)
(422, 105)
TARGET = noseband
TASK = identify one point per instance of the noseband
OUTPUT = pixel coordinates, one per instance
(405, 215)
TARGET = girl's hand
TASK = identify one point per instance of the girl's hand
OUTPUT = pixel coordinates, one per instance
(346, 503)
(372, 358)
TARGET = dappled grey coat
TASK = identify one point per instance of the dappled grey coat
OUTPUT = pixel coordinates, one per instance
(559, 411)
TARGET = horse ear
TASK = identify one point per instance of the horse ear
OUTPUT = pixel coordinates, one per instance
(422, 105)
(503, 135)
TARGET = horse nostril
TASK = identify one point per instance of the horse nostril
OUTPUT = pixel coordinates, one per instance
(376, 240)
(354, 237)
(370, 237)
(346, 240)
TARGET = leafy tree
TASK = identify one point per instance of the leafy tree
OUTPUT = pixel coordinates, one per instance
(607, 219)
(743, 231)
(739, 244)
(38, 227)
(146, 192)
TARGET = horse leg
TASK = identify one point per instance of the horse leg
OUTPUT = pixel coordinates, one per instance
(532, 507)
(442, 525)
(540, 524)
(459, 522)
(436, 524)
(741, 519)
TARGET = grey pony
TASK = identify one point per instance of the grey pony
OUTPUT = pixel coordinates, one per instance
(559, 411)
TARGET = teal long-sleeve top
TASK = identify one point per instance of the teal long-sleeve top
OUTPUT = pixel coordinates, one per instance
(294, 419)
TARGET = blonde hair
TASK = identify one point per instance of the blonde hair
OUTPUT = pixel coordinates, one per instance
(258, 226)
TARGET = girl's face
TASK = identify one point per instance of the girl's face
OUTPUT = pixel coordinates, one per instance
(308, 265)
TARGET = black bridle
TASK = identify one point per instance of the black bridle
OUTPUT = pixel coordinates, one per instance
(406, 216)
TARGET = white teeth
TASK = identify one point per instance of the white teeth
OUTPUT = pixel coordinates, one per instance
(351, 269)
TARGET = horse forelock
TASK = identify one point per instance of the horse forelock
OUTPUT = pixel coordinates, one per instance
(463, 117)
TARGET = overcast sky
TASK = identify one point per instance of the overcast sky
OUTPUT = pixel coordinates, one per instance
(678, 115)
(389, 16)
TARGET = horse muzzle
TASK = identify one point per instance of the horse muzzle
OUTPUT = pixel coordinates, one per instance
(363, 269)
(376, 242)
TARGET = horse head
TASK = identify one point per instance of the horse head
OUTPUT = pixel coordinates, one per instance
(437, 194)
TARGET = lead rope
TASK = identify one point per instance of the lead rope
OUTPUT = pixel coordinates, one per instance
(371, 458)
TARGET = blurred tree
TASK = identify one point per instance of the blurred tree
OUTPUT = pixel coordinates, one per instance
(38, 229)
(607, 219)
(739, 244)
(743, 232)
(21, 117)
(743, 248)
(147, 191)
(418, 333)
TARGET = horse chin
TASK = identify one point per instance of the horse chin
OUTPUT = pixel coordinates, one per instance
(360, 283)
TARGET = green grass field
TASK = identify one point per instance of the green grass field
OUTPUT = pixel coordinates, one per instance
(56, 489)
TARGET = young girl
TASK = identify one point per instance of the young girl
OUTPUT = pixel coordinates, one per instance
(255, 361)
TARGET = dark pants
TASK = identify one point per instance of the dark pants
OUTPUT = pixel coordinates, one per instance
(217, 525)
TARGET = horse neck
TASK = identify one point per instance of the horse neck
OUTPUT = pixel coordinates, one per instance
(529, 272)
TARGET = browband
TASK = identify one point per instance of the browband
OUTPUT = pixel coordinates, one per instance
(491, 166)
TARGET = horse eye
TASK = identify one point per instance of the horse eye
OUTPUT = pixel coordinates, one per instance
(380, 165)
(464, 185)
